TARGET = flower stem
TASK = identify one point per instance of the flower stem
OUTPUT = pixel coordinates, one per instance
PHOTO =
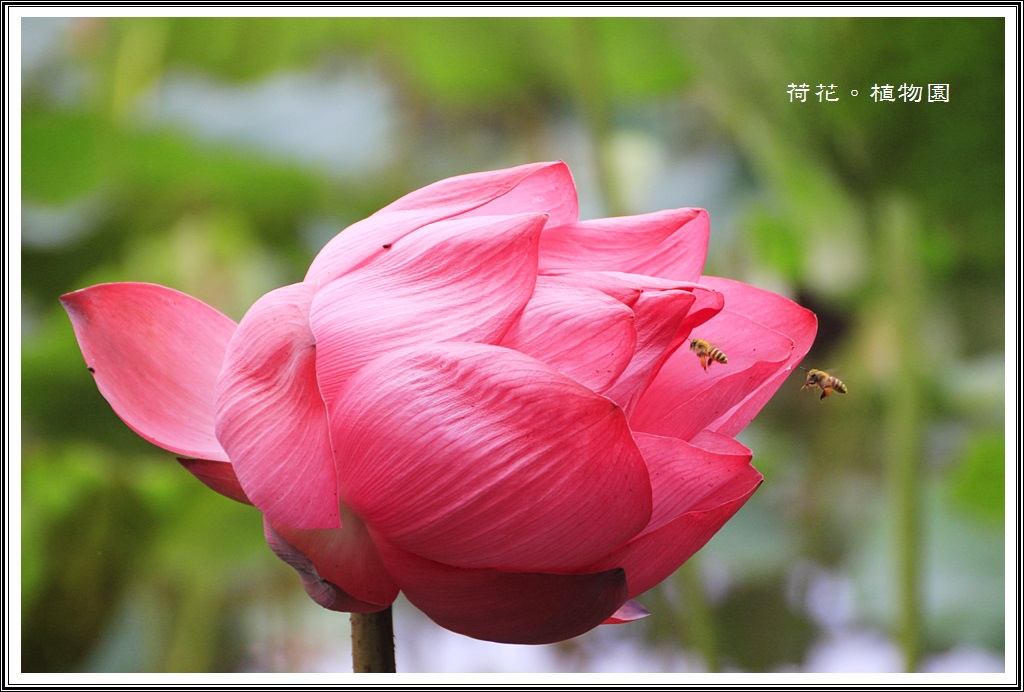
(904, 288)
(699, 616)
(373, 642)
(593, 102)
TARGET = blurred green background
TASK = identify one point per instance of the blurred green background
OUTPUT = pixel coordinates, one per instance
(217, 155)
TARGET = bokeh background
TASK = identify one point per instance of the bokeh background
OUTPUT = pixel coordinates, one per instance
(217, 155)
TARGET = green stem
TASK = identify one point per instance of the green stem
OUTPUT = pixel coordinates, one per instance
(373, 642)
(701, 625)
(903, 295)
(593, 102)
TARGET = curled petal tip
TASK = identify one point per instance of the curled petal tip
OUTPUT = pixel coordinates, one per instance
(218, 476)
(630, 611)
(321, 590)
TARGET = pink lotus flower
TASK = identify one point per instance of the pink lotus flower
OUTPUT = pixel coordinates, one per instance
(472, 397)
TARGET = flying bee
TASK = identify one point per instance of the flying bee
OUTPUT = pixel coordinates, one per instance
(707, 353)
(820, 378)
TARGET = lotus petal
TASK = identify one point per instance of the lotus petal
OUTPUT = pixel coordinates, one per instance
(319, 588)
(668, 244)
(155, 354)
(271, 418)
(507, 607)
(461, 280)
(478, 456)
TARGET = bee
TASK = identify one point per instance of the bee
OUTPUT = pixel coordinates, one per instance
(820, 378)
(707, 353)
